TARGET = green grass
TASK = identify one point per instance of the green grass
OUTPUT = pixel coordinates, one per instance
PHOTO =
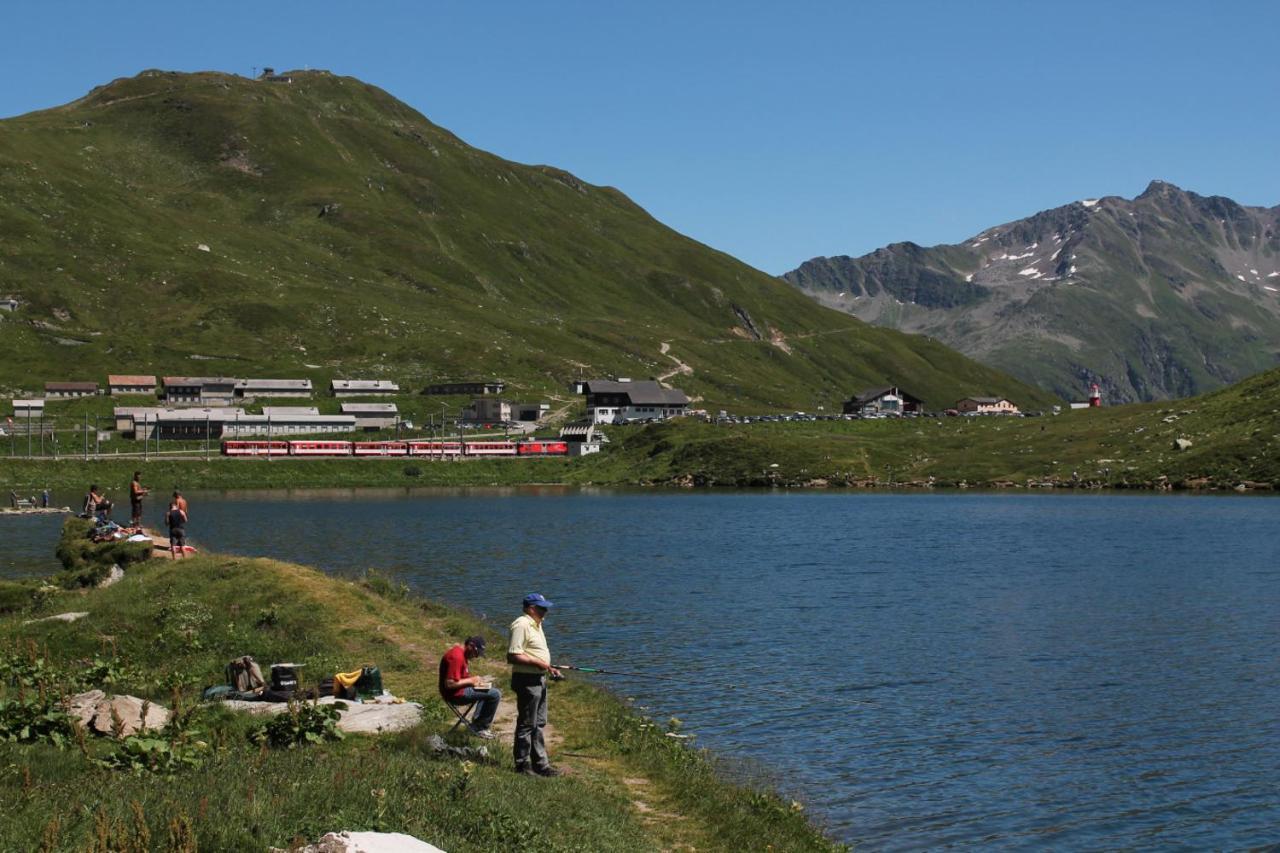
(439, 261)
(168, 628)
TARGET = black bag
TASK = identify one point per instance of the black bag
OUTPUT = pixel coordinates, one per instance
(284, 676)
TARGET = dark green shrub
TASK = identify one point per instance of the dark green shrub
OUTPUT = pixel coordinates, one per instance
(303, 724)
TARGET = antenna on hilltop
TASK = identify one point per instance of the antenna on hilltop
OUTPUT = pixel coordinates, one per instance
(255, 73)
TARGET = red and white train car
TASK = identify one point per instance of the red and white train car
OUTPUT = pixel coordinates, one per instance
(380, 448)
(490, 448)
(255, 448)
(435, 447)
(319, 448)
(543, 447)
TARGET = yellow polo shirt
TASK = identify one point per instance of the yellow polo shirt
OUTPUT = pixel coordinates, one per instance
(527, 639)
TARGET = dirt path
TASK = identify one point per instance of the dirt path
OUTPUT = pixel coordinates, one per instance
(680, 368)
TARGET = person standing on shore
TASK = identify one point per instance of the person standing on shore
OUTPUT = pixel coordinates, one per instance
(530, 660)
(136, 493)
(176, 520)
(180, 501)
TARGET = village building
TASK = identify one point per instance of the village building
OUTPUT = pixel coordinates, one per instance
(253, 389)
(482, 388)
(495, 410)
(887, 400)
(199, 390)
(624, 401)
(582, 438)
(281, 426)
(986, 406)
(132, 420)
(28, 409)
(362, 387)
(121, 385)
(286, 411)
(373, 416)
(69, 390)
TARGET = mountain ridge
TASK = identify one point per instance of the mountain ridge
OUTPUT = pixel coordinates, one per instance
(322, 226)
(1132, 294)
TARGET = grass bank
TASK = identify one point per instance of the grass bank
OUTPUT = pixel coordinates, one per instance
(167, 629)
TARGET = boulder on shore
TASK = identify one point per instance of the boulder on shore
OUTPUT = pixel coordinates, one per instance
(98, 713)
(371, 717)
(368, 842)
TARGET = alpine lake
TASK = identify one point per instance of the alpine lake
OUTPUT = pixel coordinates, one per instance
(1015, 670)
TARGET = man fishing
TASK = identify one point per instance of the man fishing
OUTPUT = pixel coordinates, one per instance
(530, 660)
(136, 493)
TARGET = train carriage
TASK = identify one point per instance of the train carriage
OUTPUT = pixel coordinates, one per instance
(435, 448)
(319, 448)
(380, 448)
(255, 448)
(490, 448)
(541, 447)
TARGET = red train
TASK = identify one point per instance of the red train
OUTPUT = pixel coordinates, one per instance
(438, 448)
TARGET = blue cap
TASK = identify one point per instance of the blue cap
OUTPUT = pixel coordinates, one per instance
(537, 599)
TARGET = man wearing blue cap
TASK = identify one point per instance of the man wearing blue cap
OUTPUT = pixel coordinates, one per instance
(530, 660)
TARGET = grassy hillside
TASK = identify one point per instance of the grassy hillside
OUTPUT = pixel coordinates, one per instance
(1234, 437)
(208, 224)
(168, 628)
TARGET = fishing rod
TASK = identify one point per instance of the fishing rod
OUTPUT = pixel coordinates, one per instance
(790, 694)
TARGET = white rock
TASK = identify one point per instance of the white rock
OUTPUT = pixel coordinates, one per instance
(116, 575)
(94, 710)
(367, 718)
(1182, 443)
(369, 842)
(61, 617)
(202, 247)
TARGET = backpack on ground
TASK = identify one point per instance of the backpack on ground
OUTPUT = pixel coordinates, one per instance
(245, 675)
(370, 681)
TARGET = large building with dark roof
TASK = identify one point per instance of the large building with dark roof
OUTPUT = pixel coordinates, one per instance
(620, 401)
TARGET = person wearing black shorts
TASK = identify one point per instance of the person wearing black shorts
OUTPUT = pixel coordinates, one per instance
(176, 519)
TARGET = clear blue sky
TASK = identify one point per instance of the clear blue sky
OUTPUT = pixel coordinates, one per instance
(773, 131)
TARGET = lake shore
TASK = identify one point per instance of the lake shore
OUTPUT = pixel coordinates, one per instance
(167, 629)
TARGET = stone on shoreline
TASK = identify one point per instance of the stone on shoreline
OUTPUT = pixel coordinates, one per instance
(361, 718)
(367, 842)
(94, 709)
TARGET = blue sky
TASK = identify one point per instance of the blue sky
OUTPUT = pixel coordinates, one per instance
(772, 131)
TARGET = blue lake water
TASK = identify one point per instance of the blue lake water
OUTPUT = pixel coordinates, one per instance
(1011, 670)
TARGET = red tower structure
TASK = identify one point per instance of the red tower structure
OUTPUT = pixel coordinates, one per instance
(1095, 396)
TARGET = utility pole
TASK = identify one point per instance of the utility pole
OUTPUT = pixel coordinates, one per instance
(42, 433)
(97, 439)
(86, 437)
(206, 437)
(146, 441)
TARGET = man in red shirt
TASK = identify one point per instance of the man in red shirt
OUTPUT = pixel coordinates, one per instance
(459, 687)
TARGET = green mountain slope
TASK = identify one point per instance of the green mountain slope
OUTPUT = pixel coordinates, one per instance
(1167, 295)
(208, 224)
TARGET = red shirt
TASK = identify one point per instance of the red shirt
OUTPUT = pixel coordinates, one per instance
(453, 666)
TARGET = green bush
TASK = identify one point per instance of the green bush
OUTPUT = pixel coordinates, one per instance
(305, 723)
(32, 720)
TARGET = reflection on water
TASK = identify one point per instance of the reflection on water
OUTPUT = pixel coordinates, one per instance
(1007, 670)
